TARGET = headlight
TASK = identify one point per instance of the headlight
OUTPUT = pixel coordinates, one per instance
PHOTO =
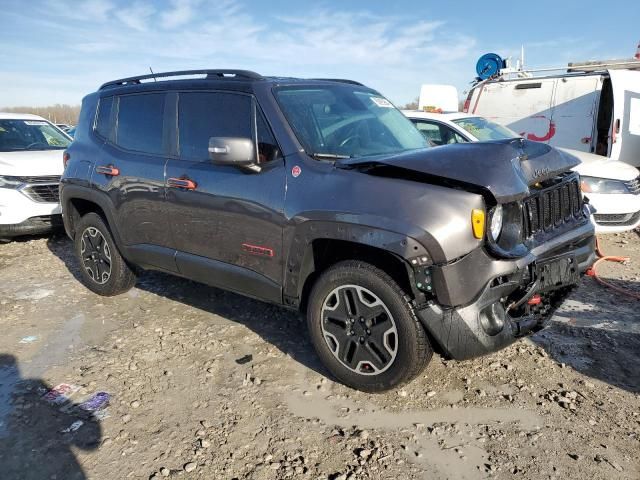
(505, 235)
(10, 182)
(602, 185)
(496, 222)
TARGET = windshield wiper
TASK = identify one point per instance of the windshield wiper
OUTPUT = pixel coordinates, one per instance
(329, 156)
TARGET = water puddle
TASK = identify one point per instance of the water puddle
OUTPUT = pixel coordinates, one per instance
(57, 347)
(445, 441)
(37, 294)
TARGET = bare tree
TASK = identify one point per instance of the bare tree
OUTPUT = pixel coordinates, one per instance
(57, 113)
(411, 105)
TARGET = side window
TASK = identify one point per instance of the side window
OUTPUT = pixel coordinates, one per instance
(103, 120)
(449, 135)
(438, 134)
(267, 147)
(430, 131)
(202, 115)
(139, 125)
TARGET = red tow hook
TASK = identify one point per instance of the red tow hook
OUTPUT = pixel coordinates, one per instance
(535, 300)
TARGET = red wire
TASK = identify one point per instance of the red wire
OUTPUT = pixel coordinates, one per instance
(609, 258)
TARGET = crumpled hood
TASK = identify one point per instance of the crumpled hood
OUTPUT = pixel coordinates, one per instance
(504, 168)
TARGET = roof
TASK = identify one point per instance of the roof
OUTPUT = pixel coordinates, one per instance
(20, 116)
(445, 116)
(223, 76)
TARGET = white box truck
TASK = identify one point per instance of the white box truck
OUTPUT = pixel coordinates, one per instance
(592, 106)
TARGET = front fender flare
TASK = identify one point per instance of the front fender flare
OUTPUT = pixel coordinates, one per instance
(300, 265)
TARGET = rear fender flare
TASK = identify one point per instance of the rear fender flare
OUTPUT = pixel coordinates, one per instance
(72, 192)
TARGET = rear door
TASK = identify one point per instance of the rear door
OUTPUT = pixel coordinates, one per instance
(130, 168)
(574, 112)
(626, 116)
(227, 223)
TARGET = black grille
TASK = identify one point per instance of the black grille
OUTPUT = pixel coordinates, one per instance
(634, 185)
(617, 219)
(45, 193)
(553, 206)
(49, 179)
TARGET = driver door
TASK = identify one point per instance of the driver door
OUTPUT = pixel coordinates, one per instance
(226, 222)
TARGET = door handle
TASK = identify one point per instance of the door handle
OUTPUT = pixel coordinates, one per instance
(109, 170)
(182, 183)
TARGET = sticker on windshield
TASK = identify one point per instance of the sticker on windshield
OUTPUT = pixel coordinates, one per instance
(382, 102)
(34, 122)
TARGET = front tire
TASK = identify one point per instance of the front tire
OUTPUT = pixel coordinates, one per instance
(102, 268)
(364, 328)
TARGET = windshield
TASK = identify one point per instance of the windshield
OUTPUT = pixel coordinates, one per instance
(30, 135)
(338, 121)
(484, 129)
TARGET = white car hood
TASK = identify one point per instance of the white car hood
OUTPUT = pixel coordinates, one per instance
(31, 163)
(593, 165)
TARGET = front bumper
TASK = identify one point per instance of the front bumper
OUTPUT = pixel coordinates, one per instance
(615, 212)
(16, 207)
(32, 226)
(471, 317)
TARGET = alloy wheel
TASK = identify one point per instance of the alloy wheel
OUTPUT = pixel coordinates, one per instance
(96, 256)
(359, 330)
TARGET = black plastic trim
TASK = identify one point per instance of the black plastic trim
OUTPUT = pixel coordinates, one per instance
(228, 277)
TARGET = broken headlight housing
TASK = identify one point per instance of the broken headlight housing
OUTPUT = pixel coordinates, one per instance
(504, 235)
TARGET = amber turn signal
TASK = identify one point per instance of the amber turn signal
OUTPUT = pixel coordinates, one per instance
(477, 223)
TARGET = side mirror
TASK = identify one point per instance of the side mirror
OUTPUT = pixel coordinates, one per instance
(236, 151)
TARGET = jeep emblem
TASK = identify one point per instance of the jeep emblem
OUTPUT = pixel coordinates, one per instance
(541, 171)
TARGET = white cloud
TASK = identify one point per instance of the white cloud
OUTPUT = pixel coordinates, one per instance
(136, 16)
(394, 54)
(87, 10)
(180, 13)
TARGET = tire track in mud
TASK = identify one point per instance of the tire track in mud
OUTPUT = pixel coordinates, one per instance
(443, 452)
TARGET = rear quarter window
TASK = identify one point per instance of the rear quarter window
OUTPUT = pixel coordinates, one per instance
(103, 118)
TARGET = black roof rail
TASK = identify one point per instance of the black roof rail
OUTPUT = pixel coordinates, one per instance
(341, 80)
(211, 75)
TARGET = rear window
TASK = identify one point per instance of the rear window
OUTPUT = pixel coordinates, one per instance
(103, 125)
(139, 125)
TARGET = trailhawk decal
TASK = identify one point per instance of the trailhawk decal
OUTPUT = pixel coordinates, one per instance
(258, 250)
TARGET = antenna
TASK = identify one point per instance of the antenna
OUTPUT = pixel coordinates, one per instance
(154, 78)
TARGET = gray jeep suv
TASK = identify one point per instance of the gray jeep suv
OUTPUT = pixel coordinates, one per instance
(320, 196)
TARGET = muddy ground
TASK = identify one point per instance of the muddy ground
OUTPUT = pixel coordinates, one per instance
(208, 384)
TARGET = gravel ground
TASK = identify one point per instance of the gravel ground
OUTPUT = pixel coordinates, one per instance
(207, 384)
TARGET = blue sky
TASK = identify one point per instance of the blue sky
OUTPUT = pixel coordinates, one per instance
(56, 51)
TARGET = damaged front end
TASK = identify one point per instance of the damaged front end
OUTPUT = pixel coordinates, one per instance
(510, 285)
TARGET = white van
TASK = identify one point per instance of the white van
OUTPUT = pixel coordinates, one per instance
(590, 108)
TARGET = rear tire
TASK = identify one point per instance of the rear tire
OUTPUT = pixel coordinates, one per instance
(364, 328)
(102, 268)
